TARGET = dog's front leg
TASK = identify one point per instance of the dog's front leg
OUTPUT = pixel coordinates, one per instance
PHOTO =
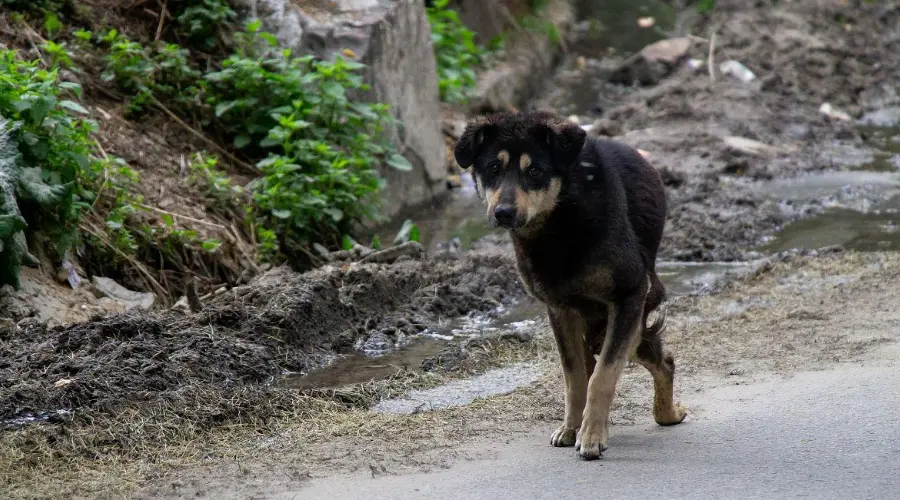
(568, 329)
(623, 327)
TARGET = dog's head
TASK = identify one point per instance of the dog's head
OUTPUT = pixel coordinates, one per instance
(519, 162)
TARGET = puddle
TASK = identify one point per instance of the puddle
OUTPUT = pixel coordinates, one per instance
(862, 205)
(826, 185)
(613, 24)
(462, 391)
(459, 221)
(881, 131)
(42, 417)
(872, 230)
(680, 278)
(360, 368)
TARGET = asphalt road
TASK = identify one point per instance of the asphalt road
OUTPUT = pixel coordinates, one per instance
(820, 435)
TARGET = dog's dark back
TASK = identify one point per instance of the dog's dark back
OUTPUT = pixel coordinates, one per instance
(645, 195)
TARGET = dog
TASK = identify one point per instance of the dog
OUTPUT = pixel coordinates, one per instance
(586, 216)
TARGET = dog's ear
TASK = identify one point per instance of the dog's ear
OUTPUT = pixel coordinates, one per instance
(477, 133)
(562, 138)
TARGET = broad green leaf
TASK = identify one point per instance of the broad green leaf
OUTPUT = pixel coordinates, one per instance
(41, 108)
(11, 224)
(73, 106)
(399, 162)
(408, 232)
(241, 141)
(282, 214)
(34, 187)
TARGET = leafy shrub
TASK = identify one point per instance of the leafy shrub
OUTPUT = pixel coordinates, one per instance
(53, 151)
(201, 21)
(317, 149)
(161, 72)
(321, 149)
(456, 53)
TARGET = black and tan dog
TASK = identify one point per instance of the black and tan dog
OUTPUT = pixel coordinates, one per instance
(586, 217)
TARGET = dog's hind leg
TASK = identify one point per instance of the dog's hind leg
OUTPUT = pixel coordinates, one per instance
(568, 329)
(651, 354)
(622, 334)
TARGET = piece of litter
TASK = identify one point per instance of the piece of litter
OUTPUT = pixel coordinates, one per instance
(737, 70)
(646, 22)
(62, 382)
(695, 64)
(831, 112)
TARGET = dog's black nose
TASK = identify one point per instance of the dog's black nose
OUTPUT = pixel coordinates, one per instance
(505, 215)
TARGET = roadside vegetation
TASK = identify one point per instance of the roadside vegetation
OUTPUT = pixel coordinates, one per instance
(286, 163)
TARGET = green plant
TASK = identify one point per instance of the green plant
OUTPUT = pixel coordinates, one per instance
(705, 6)
(53, 151)
(408, 232)
(202, 21)
(215, 184)
(150, 73)
(58, 53)
(321, 149)
(456, 53)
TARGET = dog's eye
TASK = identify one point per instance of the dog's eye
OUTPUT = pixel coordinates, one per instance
(494, 168)
(534, 172)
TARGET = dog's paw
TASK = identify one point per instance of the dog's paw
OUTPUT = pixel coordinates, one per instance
(563, 436)
(673, 417)
(590, 444)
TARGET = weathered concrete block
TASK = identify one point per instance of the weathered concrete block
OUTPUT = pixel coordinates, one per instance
(393, 38)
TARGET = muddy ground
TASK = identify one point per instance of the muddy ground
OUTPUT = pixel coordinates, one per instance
(121, 402)
(803, 53)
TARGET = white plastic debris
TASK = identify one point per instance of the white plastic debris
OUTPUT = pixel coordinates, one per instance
(834, 113)
(737, 70)
(695, 64)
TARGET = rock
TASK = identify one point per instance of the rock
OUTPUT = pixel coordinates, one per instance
(529, 55)
(653, 63)
(393, 38)
(105, 287)
(746, 146)
(486, 19)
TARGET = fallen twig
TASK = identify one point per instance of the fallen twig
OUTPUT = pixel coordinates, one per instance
(234, 159)
(410, 248)
(162, 19)
(185, 217)
(710, 60)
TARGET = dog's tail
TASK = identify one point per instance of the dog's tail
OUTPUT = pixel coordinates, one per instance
(658, 327)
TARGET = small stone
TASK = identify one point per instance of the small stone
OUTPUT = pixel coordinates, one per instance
(105, 287)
